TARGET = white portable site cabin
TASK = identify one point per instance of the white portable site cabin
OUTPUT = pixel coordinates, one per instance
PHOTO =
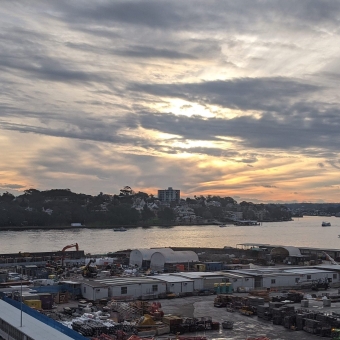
(94, 290)
(177, 284)
(130, 288)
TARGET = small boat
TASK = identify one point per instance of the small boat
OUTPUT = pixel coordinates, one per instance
(120, 229)
(228, 324)
(222, 225)
(326, 224)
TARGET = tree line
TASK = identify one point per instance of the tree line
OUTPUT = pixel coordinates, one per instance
(61, 207)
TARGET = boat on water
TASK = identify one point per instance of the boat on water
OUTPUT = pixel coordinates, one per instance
(246, 223)
(120, 229)
(326, 224)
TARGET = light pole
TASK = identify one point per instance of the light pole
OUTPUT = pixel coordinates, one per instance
(21, 298)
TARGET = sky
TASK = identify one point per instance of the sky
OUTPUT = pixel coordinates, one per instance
(230, 98)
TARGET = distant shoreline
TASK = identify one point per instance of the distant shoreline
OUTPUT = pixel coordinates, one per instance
(167, 225)
(18, 228)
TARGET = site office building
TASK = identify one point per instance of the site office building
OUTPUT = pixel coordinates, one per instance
(169, 195)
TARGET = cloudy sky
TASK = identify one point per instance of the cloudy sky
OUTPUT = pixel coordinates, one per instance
(234, 98)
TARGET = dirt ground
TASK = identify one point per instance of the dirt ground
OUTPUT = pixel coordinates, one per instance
(243, 326)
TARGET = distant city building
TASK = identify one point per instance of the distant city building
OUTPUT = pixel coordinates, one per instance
(169, 195)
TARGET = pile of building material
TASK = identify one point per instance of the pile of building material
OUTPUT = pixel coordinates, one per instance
(188, 325)
(261, 293)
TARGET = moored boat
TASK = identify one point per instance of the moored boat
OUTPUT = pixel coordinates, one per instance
(120, 229)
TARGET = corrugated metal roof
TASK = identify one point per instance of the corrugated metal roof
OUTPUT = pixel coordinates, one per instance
(32, 327)
(119, 281)
(199, 275)
(306, 271)
(173, 278)
(95, 284)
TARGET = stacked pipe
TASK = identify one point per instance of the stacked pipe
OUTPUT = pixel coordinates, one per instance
(312, 326)
(264, 312)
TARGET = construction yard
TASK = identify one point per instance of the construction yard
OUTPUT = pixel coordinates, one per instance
(244, 326)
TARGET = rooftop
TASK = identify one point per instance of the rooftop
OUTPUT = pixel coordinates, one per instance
(32, 327)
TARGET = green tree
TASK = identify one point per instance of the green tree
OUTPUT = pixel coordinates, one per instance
(166, 214)
(147, 214)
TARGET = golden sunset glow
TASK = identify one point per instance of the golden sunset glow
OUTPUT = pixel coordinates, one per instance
(236, 99)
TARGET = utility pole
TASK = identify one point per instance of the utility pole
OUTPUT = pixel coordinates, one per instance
(21, 298)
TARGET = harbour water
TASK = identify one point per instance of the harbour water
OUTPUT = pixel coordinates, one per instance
(303, 232)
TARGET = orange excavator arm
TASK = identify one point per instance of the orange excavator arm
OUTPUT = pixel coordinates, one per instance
(75, 245)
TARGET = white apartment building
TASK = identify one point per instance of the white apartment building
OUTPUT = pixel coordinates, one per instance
(169, 195)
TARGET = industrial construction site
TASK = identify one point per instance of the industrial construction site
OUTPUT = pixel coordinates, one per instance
(163, 293)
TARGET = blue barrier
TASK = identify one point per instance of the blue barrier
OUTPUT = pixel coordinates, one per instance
(56, 289)
(45, 319)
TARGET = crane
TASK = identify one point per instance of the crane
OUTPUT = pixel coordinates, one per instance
(329, 258)
(75, 245)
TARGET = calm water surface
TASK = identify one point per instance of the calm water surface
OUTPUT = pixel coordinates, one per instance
(306, 231)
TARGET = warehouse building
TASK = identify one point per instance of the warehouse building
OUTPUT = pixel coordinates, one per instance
(166, 258)
(160, 259)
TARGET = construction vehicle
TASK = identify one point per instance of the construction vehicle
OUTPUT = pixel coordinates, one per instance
(320, 284)
(335, 334)
(88, 270)
(75, 245)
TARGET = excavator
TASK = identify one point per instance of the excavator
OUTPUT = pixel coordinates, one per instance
(75, 245)
(88, 270)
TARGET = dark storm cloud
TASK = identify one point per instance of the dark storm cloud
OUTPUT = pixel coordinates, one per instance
(244, 94)
(135, 51)
(151, 52)
(46, 68)
(176, 15)
(268, 132)
(146, 13)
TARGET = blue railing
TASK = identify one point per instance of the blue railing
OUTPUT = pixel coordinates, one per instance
(45, 319)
